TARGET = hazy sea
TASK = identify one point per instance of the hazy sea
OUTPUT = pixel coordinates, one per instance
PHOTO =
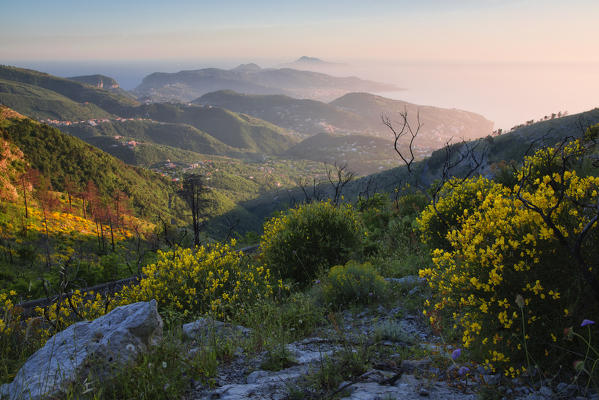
(506, 93)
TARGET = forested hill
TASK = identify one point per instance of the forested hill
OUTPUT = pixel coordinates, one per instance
(82, 105)
(354, 113)
(59, 156)
(76, 91)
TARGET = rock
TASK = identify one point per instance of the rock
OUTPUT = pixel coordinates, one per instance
(206, 327)
(376, 375)
(256, 375)
(105, 342)
(259, 385)
(409, 366)
(492, 379)
(407, 387)
(546, 391)
(408, 280)
(566, 391)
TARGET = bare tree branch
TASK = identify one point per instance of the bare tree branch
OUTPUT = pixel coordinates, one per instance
(406, 128)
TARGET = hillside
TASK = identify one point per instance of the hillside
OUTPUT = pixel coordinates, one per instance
(85, 110)
(250, 78)
(39, 103)
(181, 136)
(236, 130)
(507, 147)
(97, 80)
(438, 124)
(58, 156)
(363, 154)
(355, 113)
(76, 91)
(102, 82)
(305, 116)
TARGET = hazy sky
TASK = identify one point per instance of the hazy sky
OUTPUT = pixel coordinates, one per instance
(454, 30)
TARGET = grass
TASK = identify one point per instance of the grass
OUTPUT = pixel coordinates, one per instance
(167, 371)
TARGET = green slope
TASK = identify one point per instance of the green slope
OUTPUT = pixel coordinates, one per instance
(362, 154)
(181, 136)
(76, 91)
(37, 102)
(58, 155)
(236, 130)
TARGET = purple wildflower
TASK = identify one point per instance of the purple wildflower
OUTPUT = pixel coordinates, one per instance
(586, 322)
(456, 354)
(463, 371)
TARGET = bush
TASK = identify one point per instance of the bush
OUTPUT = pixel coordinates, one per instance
(455, 198)
(309, 238)
(353, 283)
(507, 280)
(209, 279)
(213, 279)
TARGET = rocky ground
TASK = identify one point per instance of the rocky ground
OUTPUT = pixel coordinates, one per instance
(377, 352)
(409, 362)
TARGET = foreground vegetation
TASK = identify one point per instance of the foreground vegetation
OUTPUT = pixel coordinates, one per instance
(510, 264)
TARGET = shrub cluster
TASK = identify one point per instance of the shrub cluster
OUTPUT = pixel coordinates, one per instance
(353, 283)
(209, 279)
(299, 243)
(504, 273)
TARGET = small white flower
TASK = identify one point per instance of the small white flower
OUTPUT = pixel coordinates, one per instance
(164, 364)
(130, 347)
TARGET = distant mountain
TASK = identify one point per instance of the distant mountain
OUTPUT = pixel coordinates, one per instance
(437, 124)
(354, 113)
(362, 154)
(58, 155)
(251, 79)
(316, 64)
(306, 59)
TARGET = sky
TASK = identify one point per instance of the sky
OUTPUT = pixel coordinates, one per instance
(441, 30)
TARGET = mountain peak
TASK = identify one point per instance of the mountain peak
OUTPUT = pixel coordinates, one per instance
(309, 60)
(251, 67)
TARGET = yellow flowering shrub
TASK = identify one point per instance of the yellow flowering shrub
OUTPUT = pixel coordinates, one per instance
(455, 198)
(213, 279)
(209, 279)
(19, 338)
(353, 283)
(508, 281)
(310, 237)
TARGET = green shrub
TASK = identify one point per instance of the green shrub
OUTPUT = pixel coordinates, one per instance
(353, 283)
(311, 237)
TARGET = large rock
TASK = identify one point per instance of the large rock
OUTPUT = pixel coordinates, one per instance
(106, 342)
